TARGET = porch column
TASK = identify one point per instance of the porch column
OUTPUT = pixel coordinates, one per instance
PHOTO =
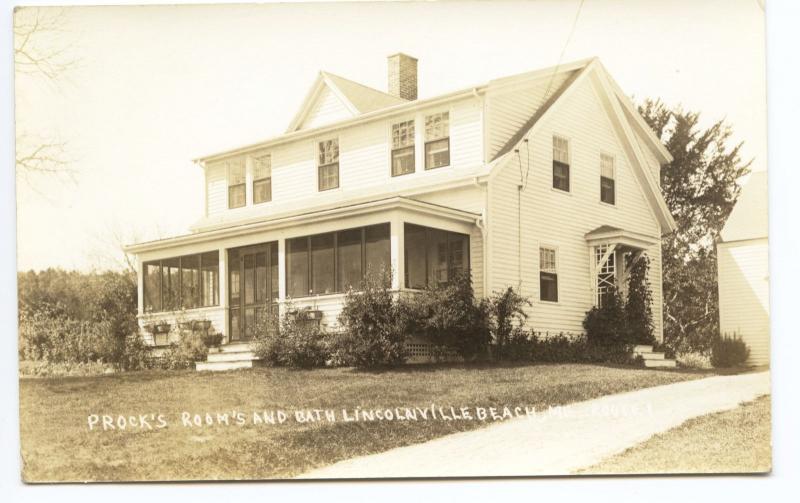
(139, 287)
(223, 292)
(398, 251)
(281, 274)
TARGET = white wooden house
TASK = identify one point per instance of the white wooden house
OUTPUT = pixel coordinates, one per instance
(743, 270)
(546, 181)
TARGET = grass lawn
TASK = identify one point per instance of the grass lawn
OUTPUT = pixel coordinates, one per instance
(57, 444)
(734, 441)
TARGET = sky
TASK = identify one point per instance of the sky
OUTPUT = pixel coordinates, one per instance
(152, 88)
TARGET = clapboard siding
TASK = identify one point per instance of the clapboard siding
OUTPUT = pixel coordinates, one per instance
(743, 269)
(364, 163)
(216, 186)
(508, 109)
(541, 215)
(327, 109)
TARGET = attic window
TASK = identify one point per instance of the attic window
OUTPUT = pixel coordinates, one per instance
(262, 179)
(237, 187)
(607, 179)
(403, 148)
(560, 163)
(328, 170)
(437, 140)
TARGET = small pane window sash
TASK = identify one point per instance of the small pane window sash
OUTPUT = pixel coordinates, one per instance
(403, 134)
(329, 152)
(561, 149)
(607, 166)
(237, 190)
(262, 167)
(437, 126)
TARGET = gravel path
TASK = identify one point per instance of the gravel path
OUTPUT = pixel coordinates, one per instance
(561, 441)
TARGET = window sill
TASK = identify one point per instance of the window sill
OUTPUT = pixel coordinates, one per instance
(608, 205)
(563, 192)
(550, 302)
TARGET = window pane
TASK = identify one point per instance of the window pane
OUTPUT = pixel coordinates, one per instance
(437, 257)
(560, 149)
(297, 265)
(235, 280)
(236, 196)
(190, 281)
(348, 249)
(322, 264)
(236, 172)
(560, 176)
(437, 126)
(403, 134)
(152, 287)
(378, 248)
(606, 166)
(329, 151)
(273, 270)
(458, 254)
(329, 177)
(607, 194)
(210, 278)
(548, 286)
(437, 154)
(262, 167)
(262, 190)
(415, 256)
(402, 161)
(171, 283)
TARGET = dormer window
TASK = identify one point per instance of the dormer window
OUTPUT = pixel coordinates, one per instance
(403, 148)
(328, 168)
(560, 163)
(437, 140)
(237, 186)
(262, 179)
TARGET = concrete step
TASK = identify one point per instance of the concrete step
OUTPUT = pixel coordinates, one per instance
(641, 348)
(236, 347)
(230, 356)
(659, 363)
(652, 356)
(219, 366)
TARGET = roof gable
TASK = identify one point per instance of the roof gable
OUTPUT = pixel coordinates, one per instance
(333, 98)
(749, 218)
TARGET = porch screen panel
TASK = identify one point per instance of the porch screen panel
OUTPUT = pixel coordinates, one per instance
(152, 287)
(378, 248)
(458, 254)
(348, 256)
(234, 286)
(190, 281)
(273, 271)
(297, 265)
(261, 278)
(437, 257)
(415, 264)
(209, 264)
(322, 265)
(171, 283)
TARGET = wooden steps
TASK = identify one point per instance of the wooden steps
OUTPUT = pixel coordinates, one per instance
(229, 357)
(653, 359)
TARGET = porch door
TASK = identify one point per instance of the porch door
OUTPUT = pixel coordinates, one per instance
(253, 291)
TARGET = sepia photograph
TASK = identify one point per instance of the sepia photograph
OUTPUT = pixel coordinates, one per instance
(392, 240)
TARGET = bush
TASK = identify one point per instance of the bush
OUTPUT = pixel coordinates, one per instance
(639, 304)
(559, 348)
(728, 352)
(373, 333)
(693, 360)
(507, 315)
(606, 331)
(188, 350)
(45, 335)
(449, 315)
(298, 342)
(212, 340)
(518, 347)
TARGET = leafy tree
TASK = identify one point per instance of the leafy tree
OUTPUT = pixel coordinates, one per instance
(639, 303)
(507, 311)
(700, 189)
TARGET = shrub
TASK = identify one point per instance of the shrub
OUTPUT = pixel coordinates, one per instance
(639, 304)
(693, 360)
(212, 340)
(448, 314)
(507, 313)
(373, 332)
(45, 335)
(188, 350)
(298, 342)
(605, 325)
(518, 347)
(559, 348)
(728, 351)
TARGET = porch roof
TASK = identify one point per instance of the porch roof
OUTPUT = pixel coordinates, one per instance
(609, 234)
(321, 214)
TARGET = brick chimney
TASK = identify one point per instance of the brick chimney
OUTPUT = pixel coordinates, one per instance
(403, 76)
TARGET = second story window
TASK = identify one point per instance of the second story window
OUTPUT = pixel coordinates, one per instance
(237, 186)
(403, 148)
(437, 140)
(328, 167)
(262, 179)
(560, 163)
(607, 179)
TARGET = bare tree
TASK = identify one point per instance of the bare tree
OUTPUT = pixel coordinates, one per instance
(41, 51)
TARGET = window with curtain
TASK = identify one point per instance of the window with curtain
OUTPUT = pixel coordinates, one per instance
(607, 179)
(237, 186)
(560, 163)
(437, 140)
(328, 164)
(548, 275)
(262, 179)
(403, 148)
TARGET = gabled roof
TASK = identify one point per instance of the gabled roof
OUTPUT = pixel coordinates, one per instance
(749, 218)
(357, 98)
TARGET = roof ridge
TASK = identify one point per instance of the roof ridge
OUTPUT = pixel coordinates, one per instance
(350, 81)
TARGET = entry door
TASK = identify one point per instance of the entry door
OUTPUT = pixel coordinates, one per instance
(253, 291)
